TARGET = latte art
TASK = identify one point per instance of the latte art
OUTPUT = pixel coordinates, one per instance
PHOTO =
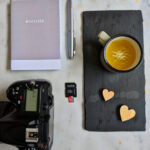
(121, 54)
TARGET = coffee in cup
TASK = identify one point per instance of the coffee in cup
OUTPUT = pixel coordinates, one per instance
(121, 53)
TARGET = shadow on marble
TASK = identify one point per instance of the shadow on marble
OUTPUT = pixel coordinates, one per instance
(3, 96)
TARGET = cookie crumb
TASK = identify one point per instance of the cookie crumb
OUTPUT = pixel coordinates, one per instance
(147, 92)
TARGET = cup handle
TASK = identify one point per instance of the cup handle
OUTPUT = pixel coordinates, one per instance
(103, 37)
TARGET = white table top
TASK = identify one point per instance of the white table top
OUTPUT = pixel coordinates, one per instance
(69, 131)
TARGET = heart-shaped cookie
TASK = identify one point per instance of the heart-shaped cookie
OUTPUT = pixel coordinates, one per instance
(126, 114)
(108, 94)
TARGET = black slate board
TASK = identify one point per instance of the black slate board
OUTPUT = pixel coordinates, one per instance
(129, 87)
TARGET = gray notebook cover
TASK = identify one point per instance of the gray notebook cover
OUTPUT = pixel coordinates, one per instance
(35, 35)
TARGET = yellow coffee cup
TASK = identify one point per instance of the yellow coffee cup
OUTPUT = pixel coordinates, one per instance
(121, 53)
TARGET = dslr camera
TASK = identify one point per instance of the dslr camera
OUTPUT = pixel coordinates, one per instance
(26, 121)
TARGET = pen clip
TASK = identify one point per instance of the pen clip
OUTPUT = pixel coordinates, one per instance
(74, 46)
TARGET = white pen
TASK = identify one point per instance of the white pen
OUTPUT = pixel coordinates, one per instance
(71, 39)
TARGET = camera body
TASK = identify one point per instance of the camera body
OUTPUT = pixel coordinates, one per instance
(27, 120)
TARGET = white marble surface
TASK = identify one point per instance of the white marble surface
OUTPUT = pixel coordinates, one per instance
(69, 131)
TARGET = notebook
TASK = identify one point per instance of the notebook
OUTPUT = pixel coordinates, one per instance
(35, 35)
